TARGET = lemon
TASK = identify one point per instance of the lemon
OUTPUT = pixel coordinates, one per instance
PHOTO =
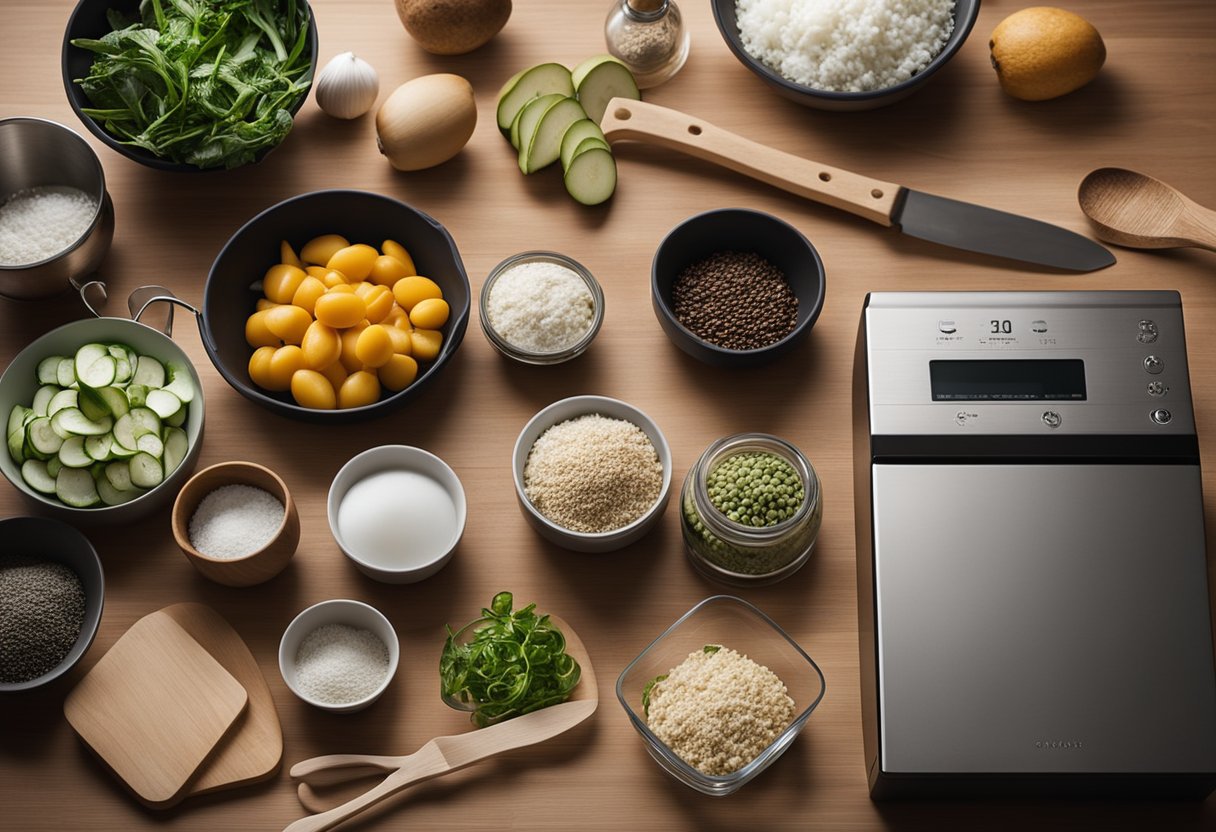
(1044, 52)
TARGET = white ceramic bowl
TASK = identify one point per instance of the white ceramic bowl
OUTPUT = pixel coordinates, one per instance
(565, 409)
(396, 458)
(337, 611)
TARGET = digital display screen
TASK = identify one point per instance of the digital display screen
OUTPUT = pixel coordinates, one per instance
(1008, 380)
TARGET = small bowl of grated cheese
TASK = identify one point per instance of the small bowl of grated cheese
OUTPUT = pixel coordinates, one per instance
(720, 695)
(541, 307)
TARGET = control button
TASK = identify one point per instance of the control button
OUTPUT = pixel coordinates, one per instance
(1156, 388)
(1052, 419)
(1153, 364)
(946, 327)
(1038, 327)
(1148, 332)
(1162, 416)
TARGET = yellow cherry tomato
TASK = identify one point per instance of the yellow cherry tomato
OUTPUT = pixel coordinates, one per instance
(387, 270)
(397, 317)
(259, 366)
(318, 272)
(288, 322)
(322, 346)
(285, 362)
(333, 279)
(311, 389)
(379, 301)
(336, 374)
(341, 288)
(306, 296)
(281, 282)
(398, 252)
(374, 346)
(264, 303)
(287, 255)
(353, 261)
(431, 313)
(350, 337)
(340, 309)
(425, 344)
(256, 332)
(362, 288)
(359, 389)
(402, 343)
(318, 250)
(399, 373)
(410, 290)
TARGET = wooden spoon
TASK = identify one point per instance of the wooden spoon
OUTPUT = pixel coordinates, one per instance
(444, 754)
(1134, 210)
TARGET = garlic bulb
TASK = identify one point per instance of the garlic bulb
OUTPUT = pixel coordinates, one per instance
(347, 87)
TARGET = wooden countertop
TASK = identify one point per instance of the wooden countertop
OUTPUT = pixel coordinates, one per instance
(1151, 109)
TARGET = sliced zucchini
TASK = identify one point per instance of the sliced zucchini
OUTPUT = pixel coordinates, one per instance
(65, 374)
(53, 466)
(118, 451)
(528, 84)
(62, 401)
(575, 133)
(98, 447)
(180, 384)
(176, 447)
(117, 350)
(118, 474)
(149, 372)
(76, 488)
(48, 369)
(177, 419)
(137, 395)
(591, 177)
(100, 373)
(115, 401)
(123, 370)
(598, 80)
(525, 123)
(544, 146)
(74, 422)
(87, 355)
(146, 471)
(163, 403)
(42, 399)
(42, 436)
(17, 418)
(16, 446)
(112, 496)
(34, 472)
(72, 453)
(151, 444)
(91, 404)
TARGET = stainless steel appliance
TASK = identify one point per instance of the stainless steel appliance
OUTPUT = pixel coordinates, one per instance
(1032, 579)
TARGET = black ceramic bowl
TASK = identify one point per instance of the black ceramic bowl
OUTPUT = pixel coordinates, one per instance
(359, 216)
(52, 540)
(737, 229)
(965, 13)
(89, 20)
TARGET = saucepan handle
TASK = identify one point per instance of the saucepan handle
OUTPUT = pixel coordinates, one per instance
(94, 295)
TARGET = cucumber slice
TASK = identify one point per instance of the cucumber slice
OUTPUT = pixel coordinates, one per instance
(137, 395)
(43, 437)
(587, 144)
(177, 419)
(591, 177)
(544, 146)
(100, 373)
(73, 421)
(180, 384)
(117, 350)
(65, 374)
(176, 446)
(54, 466)
(151, 445)
(117, 451)
(112, 496)
(87, 355)
(163, 403)
(42, 399)
(48, 369)
(528, 84)
(525, 123)
(62, 401)
(123, 370)
(18, 418)
(72, 453)
(600, 79)
(134, 424)
(76, 488)
(98, 447)
(575, 133)
(118, 474)
(34, 472)
(16, 446)
(115, 401)
(91, 404)
(149, 372)
(146, 471)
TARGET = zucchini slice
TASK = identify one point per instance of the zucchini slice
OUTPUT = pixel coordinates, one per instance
(76, 488)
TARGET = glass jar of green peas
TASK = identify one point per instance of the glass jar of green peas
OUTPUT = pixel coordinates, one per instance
(750, 510)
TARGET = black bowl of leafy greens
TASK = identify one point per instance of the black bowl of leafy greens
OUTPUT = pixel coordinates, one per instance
(189, 85)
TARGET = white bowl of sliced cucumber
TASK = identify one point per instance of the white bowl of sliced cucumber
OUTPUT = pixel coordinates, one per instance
(104, 420)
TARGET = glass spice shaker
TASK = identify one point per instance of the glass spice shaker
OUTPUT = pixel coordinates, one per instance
(649, 37)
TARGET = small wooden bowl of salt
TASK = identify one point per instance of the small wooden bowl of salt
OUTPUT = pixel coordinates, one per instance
(236, 523)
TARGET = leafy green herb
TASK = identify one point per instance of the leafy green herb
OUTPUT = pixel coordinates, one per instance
(507, 663)
(646, 693)
(208, 83)
(710, 649)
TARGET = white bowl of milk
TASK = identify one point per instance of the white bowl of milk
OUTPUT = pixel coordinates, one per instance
(397, 512)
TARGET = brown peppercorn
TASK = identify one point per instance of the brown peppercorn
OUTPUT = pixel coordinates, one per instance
(735, 300)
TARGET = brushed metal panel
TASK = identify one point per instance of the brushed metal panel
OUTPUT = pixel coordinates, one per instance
(1043, 619)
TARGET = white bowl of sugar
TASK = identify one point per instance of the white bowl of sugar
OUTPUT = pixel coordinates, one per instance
(397, 512)
(339, 655)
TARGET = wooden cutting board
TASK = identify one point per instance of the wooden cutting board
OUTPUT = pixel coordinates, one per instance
(155, 708)
(253, 750)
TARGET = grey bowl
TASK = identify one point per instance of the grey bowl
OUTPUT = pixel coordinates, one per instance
(34, 153)
(737, 229)
(52, 540)
(965, 13)
(20, 382)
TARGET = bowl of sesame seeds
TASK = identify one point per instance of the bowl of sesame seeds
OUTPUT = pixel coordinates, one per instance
(592, 473)
(734, 287)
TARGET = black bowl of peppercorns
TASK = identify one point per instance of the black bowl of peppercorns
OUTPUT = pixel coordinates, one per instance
(735, 288)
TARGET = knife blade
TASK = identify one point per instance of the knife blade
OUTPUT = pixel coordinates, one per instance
(926, 216)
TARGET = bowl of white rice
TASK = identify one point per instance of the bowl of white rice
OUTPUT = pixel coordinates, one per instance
(845, 54)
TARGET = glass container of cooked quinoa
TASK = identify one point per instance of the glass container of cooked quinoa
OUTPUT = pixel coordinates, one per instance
(541, 307)
(750, 510)
(720, 695)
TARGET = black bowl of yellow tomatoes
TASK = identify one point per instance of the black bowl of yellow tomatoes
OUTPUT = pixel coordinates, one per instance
(335, 306)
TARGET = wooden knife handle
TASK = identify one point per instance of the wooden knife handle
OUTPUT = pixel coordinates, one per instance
(872, 199)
